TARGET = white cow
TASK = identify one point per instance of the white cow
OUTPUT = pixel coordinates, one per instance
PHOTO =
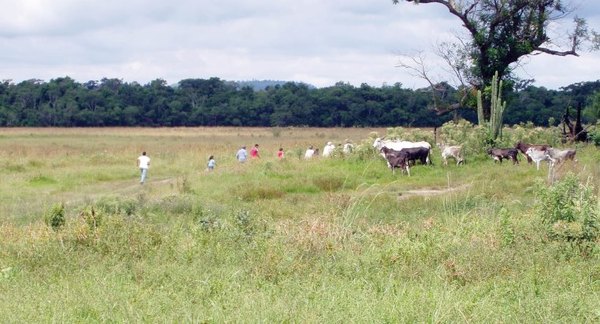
(559, 156)
(398, 145)
(348, 147)
(454, 152)
(539, 155)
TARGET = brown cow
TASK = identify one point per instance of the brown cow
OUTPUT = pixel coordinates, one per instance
(504, 153)
(524, 146)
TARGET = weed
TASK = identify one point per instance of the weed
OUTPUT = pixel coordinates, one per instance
(91, 217)
(117, 206)
(329, 183)
(507, 229)
(184, 186)
(570, 211)
(55, 217)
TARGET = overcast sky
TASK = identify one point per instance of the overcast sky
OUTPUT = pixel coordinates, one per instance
(319, 42)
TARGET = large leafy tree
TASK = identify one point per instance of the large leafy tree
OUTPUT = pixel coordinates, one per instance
(504, 31)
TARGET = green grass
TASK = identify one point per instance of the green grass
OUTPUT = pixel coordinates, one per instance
(340, 240)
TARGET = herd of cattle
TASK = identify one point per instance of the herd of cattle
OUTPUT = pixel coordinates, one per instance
(401, 154)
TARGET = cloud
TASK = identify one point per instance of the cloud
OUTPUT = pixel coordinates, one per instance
(313, 41)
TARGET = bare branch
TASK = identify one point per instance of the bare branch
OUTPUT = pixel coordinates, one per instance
(557, 53)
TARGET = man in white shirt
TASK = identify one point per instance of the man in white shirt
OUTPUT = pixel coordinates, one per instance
(242, 154)
(143, 162)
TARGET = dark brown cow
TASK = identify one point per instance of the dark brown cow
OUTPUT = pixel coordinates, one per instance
(504, 153)
(413, 154)
(524, 146)
(396, 159)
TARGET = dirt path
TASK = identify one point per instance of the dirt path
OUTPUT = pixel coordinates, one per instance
(428, 192)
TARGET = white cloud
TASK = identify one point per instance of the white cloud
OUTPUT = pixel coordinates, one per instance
(313, 41)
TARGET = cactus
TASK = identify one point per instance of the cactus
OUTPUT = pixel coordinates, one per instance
(480, 115)
(496, 109)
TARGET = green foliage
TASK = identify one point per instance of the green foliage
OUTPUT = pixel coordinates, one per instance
(475, 139)
(592, 111)
(55, 216)
(410, 134)
(117, 206)
(91, 217)
(471, 137)
(215, 102)
(594, 135)
(571, 211)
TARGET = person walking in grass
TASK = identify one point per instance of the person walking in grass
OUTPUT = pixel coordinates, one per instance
(254, 152)
(242, 154)
(211, 163)
(310, 152)
(280, 154)
(143, 162)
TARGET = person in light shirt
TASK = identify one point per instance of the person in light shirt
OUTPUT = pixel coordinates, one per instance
(143, 162)
(328, 149)
(309, 153)
(242, 154)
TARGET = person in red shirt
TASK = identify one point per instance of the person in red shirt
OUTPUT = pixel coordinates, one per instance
(280, 153)
(254, 152)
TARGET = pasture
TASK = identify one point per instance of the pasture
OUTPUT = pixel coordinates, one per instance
(322, 240)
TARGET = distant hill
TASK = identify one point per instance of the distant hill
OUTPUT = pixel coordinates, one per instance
(258, 85)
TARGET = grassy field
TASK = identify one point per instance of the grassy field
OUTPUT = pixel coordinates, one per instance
(324, 240)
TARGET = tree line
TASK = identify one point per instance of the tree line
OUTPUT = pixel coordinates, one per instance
(63, 102)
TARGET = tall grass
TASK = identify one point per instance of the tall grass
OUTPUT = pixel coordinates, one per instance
(325, 240)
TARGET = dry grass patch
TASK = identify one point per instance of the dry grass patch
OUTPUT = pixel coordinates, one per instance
(316, 234)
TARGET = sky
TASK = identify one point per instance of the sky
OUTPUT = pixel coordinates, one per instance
(319, 42)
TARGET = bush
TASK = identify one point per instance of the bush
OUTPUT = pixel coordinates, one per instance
(411, 134)
(570, 212)
(55, 217)
(471, 137)
(594, 135)
(117, 206)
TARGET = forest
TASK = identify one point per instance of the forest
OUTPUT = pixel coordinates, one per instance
(63, 102)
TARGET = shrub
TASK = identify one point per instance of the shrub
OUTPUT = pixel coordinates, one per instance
(471, 137)
(529, 133)
(91, 217)
(594, 135)
(570, 212)
(412, 134)
(55, 217)
(117, 206)
(184, 186)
